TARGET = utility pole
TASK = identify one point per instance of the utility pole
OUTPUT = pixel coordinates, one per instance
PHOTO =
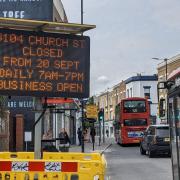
(165, 60)
(82, 12)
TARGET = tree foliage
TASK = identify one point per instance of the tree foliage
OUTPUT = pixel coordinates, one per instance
(91, 100)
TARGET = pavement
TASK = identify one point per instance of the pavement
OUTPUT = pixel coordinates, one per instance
(88, 146)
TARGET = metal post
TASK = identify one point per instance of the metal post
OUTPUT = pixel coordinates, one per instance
(82, 137)
(166, 92)
(93, 138)
(166, 67)
(99, 132)
(103, 131)
(81, 11)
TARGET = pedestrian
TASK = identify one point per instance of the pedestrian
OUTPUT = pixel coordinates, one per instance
(47, 135)
(64, 141)
(79, 133)
(93, 134)
(107, 132)
(47, 142)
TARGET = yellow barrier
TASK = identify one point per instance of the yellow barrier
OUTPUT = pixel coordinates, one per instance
(19, 155)
(53, 166)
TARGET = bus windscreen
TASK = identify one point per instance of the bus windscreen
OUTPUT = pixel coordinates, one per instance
(134, 106)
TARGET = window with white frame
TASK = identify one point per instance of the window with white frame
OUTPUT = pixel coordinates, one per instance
(128, 93)
(147, 91)
(131, 95)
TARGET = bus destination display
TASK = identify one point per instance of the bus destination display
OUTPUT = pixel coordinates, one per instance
(44, 64)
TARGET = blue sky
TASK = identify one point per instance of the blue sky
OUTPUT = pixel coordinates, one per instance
(128, 34)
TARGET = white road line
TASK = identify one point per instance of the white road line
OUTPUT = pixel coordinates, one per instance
(108, 178)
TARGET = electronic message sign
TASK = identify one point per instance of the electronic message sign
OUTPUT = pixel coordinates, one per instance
(27, 9)
(44, 64)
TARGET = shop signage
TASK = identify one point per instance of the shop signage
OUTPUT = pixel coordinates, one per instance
(27, 9)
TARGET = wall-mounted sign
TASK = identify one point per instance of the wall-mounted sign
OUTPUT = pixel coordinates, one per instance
(44, 64)
(27, 136)
(27, 9)
(20, 102)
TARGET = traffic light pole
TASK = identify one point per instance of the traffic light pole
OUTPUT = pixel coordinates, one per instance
(103, 130)
(99, 132)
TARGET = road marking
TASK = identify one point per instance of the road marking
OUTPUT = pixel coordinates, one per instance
(108, 178)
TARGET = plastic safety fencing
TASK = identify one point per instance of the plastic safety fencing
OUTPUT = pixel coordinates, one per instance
(53, 166)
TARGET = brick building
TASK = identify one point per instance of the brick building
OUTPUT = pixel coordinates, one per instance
(172, 64)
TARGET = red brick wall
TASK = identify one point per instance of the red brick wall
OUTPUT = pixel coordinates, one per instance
(19, 132)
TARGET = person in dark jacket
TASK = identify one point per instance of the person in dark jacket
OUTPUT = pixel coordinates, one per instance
(64, 141)
(79, 133)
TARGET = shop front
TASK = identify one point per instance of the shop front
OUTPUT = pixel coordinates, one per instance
(174, 121)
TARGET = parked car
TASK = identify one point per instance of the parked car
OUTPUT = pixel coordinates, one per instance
(156, 139)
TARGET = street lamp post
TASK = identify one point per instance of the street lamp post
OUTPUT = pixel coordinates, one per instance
(82, 9)
(165, 60)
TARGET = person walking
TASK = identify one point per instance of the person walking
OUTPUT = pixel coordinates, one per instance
(64, 141)
(107, 132)
(79, 133)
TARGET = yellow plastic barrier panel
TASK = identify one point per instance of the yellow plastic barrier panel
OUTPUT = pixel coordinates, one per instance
(18, 155)
(60, 166)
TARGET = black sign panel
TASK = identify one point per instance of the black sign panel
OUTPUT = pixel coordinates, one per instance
(20, 103)
(27, 9)
(44, 64)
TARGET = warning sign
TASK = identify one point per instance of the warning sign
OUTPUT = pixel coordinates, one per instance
(44, 64)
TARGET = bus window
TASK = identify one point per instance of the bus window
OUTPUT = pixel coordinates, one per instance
(135, 122)
(134, 106)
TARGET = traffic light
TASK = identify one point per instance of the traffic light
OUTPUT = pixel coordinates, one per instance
(101, 114)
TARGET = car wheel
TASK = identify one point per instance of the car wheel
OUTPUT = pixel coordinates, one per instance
(150, 153)
(142, 151)
(169, 154)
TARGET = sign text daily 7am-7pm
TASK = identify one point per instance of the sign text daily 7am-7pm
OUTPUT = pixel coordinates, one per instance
(44, 64)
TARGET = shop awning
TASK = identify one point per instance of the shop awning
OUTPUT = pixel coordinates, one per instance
(45, 26)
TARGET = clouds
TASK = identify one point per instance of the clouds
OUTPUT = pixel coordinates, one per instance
(128, 34)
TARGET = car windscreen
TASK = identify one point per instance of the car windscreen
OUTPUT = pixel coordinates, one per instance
(135, 122)
(134, 106)
(162, 131)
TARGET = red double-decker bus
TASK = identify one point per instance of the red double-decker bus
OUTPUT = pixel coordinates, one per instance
(132, 116)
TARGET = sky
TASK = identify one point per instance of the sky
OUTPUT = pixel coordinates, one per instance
(128, 34)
